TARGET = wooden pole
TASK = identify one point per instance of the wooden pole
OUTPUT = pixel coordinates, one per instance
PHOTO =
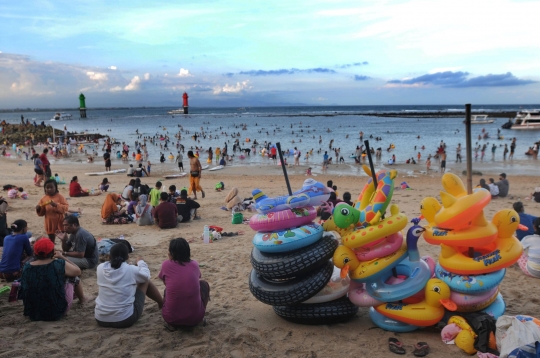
(278, 145)
(469, 156)
(371, 166)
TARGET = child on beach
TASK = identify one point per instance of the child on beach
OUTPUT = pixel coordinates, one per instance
(186, 295)
(428, 164)
(148, 167)
(308, 171)
(53, 207)
(155, 194)
(104, 186)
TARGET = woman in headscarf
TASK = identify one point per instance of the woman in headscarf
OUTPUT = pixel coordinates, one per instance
(110, 206)
(143, 212)
(48, 284)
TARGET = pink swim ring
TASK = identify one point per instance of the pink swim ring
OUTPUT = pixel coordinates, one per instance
(283, 219)
(382, 248)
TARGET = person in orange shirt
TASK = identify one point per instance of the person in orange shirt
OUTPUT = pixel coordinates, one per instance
(419, 156)
(138, 156)
(53, 206)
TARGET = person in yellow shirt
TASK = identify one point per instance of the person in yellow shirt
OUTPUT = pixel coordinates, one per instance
(218, 153)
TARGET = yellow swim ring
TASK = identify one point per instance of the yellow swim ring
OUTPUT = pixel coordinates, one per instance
(503, 252)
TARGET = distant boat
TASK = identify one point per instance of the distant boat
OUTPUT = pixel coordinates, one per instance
(524, 120)
(176, 111)
(481, 119)
(61, 116)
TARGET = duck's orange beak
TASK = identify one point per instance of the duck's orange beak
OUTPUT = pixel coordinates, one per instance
(522, 227)
(344, 271)
(421, 217)
(448, 304)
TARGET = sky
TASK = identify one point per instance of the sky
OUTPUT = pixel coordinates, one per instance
(273, 53)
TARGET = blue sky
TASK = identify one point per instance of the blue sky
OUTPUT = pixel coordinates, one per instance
(254, 53)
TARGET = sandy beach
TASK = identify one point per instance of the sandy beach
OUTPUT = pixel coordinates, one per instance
(238, 324)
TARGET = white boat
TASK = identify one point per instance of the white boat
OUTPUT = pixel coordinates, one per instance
(176, 111)
(481, 119)
(61, 116)
(525, 120)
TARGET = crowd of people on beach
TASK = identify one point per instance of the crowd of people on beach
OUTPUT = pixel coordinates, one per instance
(48, 277)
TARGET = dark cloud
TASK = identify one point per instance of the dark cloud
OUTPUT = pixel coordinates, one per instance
(282, 71)
(503, 80)
(355, 64)
(459, 80)
(361, 78)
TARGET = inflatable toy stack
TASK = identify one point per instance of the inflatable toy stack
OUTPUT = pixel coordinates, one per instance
(291, 263)
(388, 274)
(474, 251)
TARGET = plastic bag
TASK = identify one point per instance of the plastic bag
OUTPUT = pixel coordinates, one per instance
(529, 351)
(513, 333)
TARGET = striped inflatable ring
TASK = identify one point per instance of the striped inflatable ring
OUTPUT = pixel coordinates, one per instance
(472, 283)
(474, 302)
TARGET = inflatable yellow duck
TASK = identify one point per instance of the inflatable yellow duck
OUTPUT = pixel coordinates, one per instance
(425, 313)
(501, 253)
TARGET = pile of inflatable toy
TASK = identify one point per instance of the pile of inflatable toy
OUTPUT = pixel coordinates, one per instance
(474, 251)
(388, 275)
(292, 270)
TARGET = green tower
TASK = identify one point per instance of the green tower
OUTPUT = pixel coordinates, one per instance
(82, 105)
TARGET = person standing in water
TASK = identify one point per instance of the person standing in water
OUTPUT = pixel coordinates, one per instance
(195, 171)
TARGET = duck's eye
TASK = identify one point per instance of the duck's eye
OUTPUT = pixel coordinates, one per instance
(513, 219)
(346, 260)
(345, 211)
(437, 289)
(421, 207)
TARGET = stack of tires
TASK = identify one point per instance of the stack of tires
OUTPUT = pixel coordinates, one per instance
(293, 272)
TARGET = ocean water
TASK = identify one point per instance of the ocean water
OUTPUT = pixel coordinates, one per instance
(280, 124)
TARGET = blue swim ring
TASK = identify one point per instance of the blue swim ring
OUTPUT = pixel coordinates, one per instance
(497, 308)
(288, 239)
(417, 273)
(470, 284)
(389, 324)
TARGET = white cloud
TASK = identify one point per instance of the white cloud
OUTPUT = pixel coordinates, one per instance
(97, 76)
(239, 87)
(146, 76)
(135, 84)
(112, 68)
(184, 73)
(116, 89)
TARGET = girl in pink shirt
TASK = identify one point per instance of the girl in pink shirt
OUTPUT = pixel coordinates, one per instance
(186, 295)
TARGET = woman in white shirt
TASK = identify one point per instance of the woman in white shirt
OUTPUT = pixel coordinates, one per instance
(126, 193)
(122, 289)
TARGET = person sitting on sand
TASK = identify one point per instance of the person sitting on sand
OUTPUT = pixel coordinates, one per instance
(3, 220)
(128, 189)
(132, 204)
(48, 284)
(529, 261)
(483, 184)
(186, 295)
(173, 194)
(130, 171)
(17, 251)
(165, 214)
(493, 188)
(186, 207)
(75, 189)
(524, 219)
(104, 186)
(143, 212)
(79, 247)
(347, 198)
(122, 289)
(110, 208)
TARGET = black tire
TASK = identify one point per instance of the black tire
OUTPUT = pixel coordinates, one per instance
(290, 292)
(294, 263)
(331, 312)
